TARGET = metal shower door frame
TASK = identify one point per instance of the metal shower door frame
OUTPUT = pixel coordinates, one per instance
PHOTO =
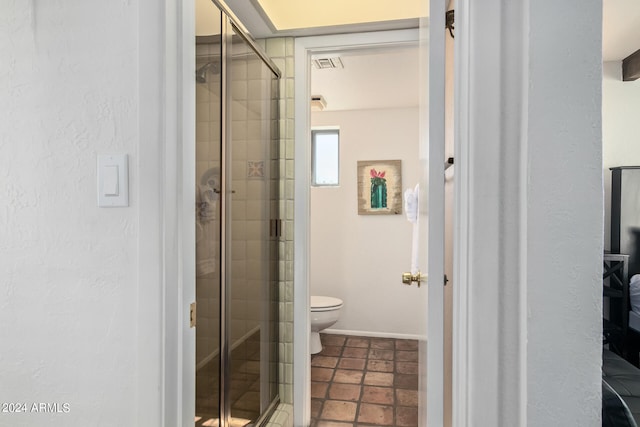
(230, 25)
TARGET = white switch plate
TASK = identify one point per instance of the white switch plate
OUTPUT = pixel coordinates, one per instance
(113, 180)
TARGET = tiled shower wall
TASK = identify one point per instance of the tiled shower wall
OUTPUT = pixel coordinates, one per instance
(250, 216)
(207, 217)
(250, 204)
(281, 51)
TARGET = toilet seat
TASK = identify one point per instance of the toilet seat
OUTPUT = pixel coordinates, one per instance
(322, 303)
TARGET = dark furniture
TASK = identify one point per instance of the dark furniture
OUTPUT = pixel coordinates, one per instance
(625, 214)
(615, 290)
(620, 391)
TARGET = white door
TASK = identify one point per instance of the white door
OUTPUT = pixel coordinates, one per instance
(440, 221)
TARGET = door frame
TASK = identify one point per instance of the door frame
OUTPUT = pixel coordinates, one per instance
(435, 363)
(166, 342)
(304, 48)
(174, 206)
(490, 298)
(166, 254)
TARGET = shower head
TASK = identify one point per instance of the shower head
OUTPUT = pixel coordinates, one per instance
(201, 73)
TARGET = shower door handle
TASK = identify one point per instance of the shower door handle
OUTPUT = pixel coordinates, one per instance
(275, 228)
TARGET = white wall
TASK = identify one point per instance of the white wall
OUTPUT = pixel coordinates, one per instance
(620, 129)
(360, 258)
(69, 269)
(564, 213)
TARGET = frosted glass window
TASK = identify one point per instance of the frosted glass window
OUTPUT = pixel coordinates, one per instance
(325, 157)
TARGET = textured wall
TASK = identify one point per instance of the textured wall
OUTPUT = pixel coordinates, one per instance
(531, 249)
(72, 279)
(360, 258)
(565, 214)
(68, 269)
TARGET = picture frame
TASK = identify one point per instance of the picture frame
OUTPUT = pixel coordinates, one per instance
(379, 187)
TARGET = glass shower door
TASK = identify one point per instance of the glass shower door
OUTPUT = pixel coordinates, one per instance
(252, 297)
(237, 230)
(208, 219)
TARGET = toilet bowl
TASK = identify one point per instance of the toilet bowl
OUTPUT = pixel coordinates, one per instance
(325, 311)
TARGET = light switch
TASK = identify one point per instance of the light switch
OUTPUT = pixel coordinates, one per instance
(110, 182)
(113, 180)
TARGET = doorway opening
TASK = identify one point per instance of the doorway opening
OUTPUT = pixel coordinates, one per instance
(360, 241)
(342, 201)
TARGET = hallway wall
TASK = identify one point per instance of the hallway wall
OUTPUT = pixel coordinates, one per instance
(360, 258)
(73, 287)
(69, 269)
(564, 213)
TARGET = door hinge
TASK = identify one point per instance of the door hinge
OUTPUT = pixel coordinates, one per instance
(192, 315)
(448, 163)
(449, 21)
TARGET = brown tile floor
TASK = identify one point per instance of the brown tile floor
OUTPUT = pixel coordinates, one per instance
(361, 381)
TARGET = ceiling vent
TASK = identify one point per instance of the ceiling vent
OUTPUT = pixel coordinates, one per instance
(318, 103)
(324, 63)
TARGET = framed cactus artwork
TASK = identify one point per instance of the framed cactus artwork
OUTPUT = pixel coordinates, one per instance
(379, 187)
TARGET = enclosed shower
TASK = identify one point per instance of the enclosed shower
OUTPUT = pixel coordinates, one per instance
(237, 227)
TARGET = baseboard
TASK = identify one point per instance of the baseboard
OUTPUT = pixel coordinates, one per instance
(235, 345)
(375, 334)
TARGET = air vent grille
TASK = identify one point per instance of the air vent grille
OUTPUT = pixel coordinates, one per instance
(324, 63)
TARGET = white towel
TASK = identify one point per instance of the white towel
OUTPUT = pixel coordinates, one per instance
(411, 200)
(411, 203)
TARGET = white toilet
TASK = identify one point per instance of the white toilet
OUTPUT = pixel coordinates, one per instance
(325, 311)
